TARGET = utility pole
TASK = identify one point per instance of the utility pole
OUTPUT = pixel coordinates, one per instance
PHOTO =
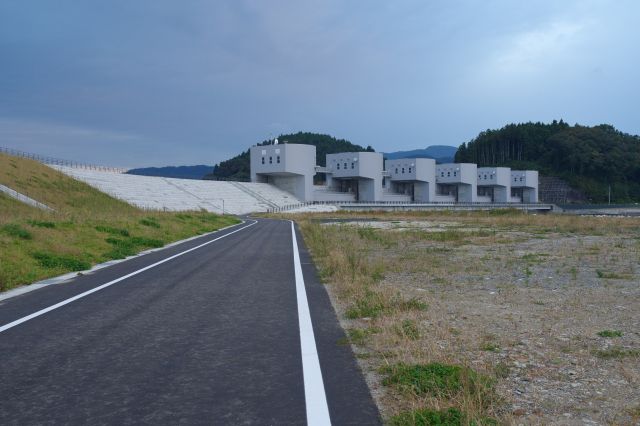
(609, 194)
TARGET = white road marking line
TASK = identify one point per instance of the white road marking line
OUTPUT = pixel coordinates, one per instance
(314, 395)
(110, 283)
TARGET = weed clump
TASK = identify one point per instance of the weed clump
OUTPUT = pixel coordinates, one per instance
(17, 231)
(428, 417)
(436, 379)
(610, 333)
(506, 212)
(502, 370)
(122, 248)
(207, 217)
(411, 304)
(147, 242)
(150, 222)
(608, 275)
(490, 347)
(371, 305)
(53, 261)
(374, 304)
(409, 329)
(616, 352)
(358, 336)
(41, 224)
(370, 234)
(112, 230)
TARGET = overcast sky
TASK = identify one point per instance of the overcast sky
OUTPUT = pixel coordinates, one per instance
(164, 82)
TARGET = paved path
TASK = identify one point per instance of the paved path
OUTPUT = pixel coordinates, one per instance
(209, 337)
(23, 198)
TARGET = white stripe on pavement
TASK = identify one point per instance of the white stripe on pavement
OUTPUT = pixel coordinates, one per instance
(314, 395)
(110, 283)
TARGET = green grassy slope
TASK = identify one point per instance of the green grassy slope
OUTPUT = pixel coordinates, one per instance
(87, 227)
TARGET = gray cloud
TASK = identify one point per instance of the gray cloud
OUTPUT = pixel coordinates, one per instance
(163, 82)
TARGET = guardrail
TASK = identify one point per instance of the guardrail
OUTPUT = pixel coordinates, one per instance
(59, 161)
(436, 204)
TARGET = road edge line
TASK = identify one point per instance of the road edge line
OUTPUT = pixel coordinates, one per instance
(112, 282)
(314, 393)
(65, 278)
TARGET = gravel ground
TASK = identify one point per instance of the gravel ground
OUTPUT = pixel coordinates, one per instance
(529, 306)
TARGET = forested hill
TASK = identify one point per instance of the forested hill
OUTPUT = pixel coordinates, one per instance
(238, 168)
(589, 158)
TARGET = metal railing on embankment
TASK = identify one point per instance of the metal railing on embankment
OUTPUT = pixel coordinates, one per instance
(445, 205)
(59, 161)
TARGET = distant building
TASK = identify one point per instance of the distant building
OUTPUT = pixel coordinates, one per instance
(357, 172)
(414, 177)
(494, 184)
(361, 177)
(457, 182)
(290, 167)
(524, 186)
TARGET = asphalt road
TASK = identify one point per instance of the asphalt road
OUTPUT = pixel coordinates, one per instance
(209, 337)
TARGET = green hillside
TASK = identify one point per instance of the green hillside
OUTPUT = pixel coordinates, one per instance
(87, 226)
(589, 158)
(238, 167)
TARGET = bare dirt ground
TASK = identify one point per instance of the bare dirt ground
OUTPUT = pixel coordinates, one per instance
(548, 307)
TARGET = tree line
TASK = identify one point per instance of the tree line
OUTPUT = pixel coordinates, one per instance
(592, 159)
(238, 168)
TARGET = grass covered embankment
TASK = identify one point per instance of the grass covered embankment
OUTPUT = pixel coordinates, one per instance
(87, 227)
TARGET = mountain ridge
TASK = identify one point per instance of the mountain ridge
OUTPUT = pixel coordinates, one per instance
(440, 153)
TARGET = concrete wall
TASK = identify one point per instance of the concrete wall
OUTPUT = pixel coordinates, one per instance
(363, 167)
(461, 175)
(290, 167)
(527, 180)
(421, 172)
(331, 196)
(498, 180)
